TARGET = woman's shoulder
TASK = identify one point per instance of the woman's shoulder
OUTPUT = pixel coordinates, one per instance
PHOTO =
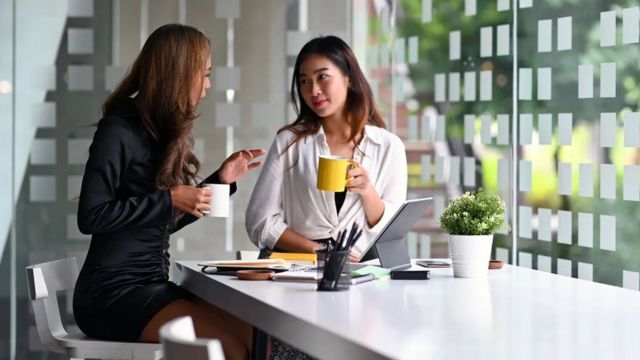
(383, 136)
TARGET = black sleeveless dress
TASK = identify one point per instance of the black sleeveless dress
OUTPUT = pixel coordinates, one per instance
(124, 281)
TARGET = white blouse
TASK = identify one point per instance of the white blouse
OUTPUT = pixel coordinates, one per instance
(285, 195)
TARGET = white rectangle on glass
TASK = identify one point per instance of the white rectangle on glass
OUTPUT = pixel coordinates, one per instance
(470, 86)
(608, 80)
(486, 41)
(608, 28)
(525, 83)
(454, 45)
(502, 39)
(564, 33)
(585, 81)
(545, 29)
(631, 25)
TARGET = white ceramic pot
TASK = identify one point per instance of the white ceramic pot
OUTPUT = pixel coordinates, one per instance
(470, 255)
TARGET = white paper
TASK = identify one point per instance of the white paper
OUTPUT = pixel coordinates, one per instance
(486, 82)
(632, 129)
(585, 81)
(469, 128)
(525, 176)
(631, 184)
(608, 80)
(545, 129)
(608, 28)
(585, 187)
(544, 224)
(503, 38)
(454, 45)
(440, 80)
(544, 83)
(608, 128)
(525, 222)
(608, 232)
(544, 35)
(565, 128)
(607, 181)
(526, 129)
(564, 179)
(631, 25)
(470, 86)
(486, 41)
(565, 34)
(524, 88)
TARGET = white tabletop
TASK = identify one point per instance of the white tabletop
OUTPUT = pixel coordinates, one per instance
(515, 313)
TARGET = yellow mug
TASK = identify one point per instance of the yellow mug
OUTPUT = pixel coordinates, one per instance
(332, 172)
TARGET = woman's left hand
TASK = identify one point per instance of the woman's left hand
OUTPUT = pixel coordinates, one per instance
(359, 183)
(238, 164)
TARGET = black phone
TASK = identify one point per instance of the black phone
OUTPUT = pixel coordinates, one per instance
(433, 263)
(410, 275)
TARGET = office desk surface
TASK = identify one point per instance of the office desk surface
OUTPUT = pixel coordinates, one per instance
(516, 313)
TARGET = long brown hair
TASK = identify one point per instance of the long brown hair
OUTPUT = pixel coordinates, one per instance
(161, 78)
(360, 105)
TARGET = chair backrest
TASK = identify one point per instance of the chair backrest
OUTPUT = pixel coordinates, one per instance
(45, 280)
(179, 342)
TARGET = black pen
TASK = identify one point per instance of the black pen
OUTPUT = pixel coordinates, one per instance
(355, 238)
(351, 234)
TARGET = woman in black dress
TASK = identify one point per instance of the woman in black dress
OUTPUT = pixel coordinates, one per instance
(138, 188)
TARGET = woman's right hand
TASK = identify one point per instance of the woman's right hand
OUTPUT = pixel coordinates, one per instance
(191, 199)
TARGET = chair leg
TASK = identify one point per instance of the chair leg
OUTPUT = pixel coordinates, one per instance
(260, 344)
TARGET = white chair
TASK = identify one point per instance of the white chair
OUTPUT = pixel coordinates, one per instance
(45, 280)
(179, 342)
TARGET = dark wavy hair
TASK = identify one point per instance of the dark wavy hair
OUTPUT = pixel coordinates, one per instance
(171, 61)
(360, 105)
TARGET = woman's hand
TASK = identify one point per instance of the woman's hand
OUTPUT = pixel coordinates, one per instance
(191, 200)
(238, 164)
(354, 256)
(359, 183)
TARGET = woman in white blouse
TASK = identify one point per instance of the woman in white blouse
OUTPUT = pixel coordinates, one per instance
(337, 115)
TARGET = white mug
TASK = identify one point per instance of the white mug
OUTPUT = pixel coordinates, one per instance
(219, 200)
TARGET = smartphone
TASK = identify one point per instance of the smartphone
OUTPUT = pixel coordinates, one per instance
(433, 263)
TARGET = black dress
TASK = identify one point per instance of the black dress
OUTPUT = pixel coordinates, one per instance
(124, 281)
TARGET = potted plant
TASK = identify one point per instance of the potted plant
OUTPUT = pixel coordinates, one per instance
(471, 220)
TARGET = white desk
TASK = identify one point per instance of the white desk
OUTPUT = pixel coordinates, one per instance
(516, 313)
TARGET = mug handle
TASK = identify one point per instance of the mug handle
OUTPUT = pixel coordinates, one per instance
(352, 165)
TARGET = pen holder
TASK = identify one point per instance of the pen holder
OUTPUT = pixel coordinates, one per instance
(333, 278)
